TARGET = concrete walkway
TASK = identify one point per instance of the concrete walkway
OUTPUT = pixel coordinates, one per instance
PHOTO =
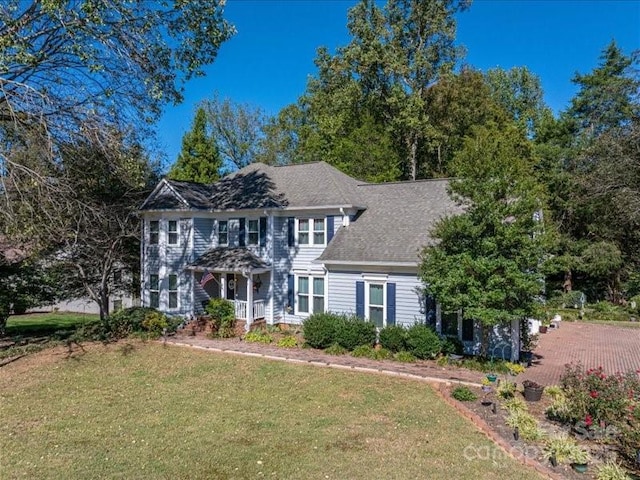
(421, 370)
(614, 348)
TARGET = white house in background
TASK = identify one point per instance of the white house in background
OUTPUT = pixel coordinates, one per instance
(283, 242)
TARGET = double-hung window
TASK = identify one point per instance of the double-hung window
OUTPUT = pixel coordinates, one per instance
(449, 324)
(223, 232)
(311, 231)
(376, 304)
(154, 232)
(154, 291)
(173, 291)
(311, 294)
(172, 232)
(253, 232)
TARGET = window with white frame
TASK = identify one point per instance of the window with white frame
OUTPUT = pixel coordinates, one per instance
(154, 232)
(154, 291)
(311, 294)
(223, 232)
(116, 305)
(308, 226)
(173, 291)
(376, 304)
(172, 232)
(318, 231)
(253, 232)
(303, 231)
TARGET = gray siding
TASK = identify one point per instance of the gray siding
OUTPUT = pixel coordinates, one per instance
(409, 308)
(203, 238)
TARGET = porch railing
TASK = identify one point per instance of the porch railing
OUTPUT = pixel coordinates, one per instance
(241, 309)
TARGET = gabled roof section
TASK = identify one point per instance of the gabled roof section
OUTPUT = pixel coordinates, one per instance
(396, 224)
(259, 186)
(227, 259)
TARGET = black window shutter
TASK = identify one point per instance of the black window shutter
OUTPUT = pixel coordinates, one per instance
(391, 303)
(290, 291)
(290, 231)
(243, 232)
(330, 227)
(360, 299)
(467, 330)
(263, 231)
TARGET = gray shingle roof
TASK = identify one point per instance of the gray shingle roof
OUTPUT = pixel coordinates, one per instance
(395, 225)
(229, 259)
(262, 186)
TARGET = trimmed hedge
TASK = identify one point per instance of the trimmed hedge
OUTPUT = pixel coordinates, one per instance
(352, 332)
(126, 322)
(394, 338)
(423, 342)
(321, 330)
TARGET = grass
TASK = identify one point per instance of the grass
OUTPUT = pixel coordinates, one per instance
(46, 323)
(147, 411)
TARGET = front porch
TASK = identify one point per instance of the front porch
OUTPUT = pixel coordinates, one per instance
(241, 309)
(237, 275)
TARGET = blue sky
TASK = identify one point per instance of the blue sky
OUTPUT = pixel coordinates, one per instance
(268, 61)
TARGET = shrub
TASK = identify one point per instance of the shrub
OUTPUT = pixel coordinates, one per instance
(383, 354)
(506, 389)
(257, 336)
(634, 304)
(319, 329)
(223, 317)
(452, 345)
(629, 438)
(594, 397)
(366, 351)
(288, 341)
(526, 423)
(394, 338)
(611, 471)
(352, 332)
(423, 342)
(404, 357)
(124, 322)
(336, 349)
(515, 405)
(463, 394)
(155, 323)
(561, 447)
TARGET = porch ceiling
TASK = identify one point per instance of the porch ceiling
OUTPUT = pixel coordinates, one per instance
(224, 259)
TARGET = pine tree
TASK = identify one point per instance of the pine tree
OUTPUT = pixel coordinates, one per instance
(199, 160)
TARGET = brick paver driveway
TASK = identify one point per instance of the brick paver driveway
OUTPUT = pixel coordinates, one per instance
(616, 349)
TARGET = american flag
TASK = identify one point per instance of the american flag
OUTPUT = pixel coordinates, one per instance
(206, 277)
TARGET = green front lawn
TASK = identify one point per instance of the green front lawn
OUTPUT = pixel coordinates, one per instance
(147, 411)
(46, 323)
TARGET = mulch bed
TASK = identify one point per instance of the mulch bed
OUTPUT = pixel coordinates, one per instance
(481, 413)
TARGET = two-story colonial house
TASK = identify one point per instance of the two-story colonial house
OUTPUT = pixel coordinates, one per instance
(284, 242)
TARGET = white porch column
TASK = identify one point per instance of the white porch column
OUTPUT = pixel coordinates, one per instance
(223, 285)
(249, 301)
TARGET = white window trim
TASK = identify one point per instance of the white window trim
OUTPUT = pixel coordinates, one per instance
(373, 280)
(247, 220)
(152, 290)
(311, 232)
(169, 291)
(177, 232)
(149, 232)
(218, 233)
(310, 293)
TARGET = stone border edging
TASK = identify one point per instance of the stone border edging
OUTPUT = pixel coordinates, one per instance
(484, 427)
(391, 373)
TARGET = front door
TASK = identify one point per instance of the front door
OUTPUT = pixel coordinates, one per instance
(231, 287)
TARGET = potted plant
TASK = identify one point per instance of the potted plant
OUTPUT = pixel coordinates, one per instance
(486, 385)
(579, 458)
(492, 377)
(545, 325)
(532, 391)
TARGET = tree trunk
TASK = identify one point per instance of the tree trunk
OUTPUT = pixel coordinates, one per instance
(412, 146)
(484, 346)
(103, 304)
(567, 285)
